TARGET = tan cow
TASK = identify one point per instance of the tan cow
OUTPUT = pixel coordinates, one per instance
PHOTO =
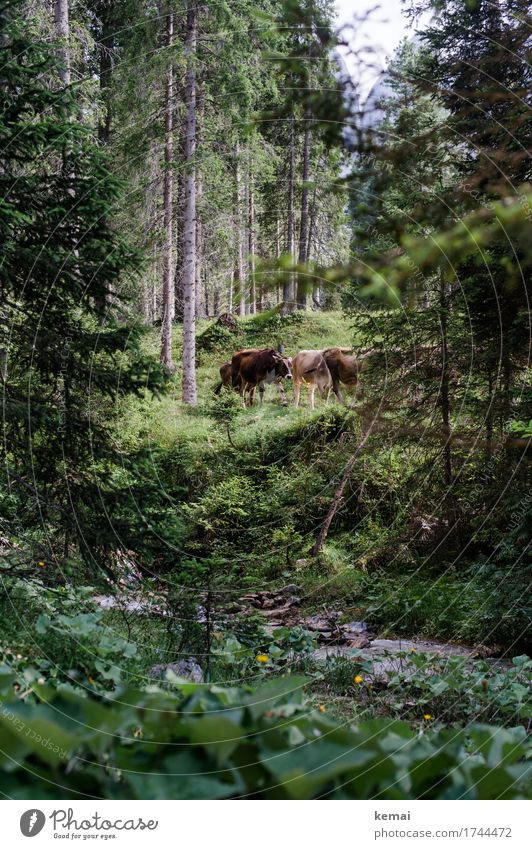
(310, 368)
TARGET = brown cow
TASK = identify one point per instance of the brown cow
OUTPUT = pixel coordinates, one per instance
(343, 369)
(225, 375)
(256, 367)
(310, 368)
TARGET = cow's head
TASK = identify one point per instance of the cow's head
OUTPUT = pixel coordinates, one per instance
(282, 366)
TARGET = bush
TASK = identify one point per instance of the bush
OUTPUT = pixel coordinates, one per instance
(214, 743)
(448, 689)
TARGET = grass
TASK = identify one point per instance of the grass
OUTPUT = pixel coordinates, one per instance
(166, 421)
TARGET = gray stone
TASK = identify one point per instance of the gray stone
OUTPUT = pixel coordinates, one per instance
(188, 668)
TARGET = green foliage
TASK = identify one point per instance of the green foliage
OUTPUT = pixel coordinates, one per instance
(240, 741)
(412, 685)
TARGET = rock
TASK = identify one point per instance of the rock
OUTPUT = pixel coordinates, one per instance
(356, 627)
(187, 668)
(360, 642)
(290, 589)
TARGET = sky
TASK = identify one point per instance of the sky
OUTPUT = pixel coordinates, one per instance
(373, 39)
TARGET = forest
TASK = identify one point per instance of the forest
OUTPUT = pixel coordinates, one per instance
(229, 568)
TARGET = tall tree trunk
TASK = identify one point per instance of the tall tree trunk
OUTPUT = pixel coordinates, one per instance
(168, 269)
(180, 225)
(312, 223)
(106, 64)
(489, 415)
(231, 292)
(201, 307)
(62, 30)
(251, 244)
(189, 258)
(239, 292)
(288, 287)
(302, 299)
(445, 401)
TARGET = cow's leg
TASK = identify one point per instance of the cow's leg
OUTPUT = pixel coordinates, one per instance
(261, 391)
(312, 392)
(296, 392)
(337, 391)
(251, 395)
(243, 392)
(282, 393)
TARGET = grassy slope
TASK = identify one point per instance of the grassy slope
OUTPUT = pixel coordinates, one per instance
(162, 422)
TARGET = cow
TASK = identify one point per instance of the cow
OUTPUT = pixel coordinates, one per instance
(225, 375)
(310, 368)
(343, 369)
(255, 367)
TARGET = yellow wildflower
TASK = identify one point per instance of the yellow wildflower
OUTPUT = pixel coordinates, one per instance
(427, 716)
(41, 563)
(323, 709)
(358, 679)
(262, 658)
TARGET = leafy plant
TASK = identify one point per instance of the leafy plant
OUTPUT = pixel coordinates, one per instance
(214, 743)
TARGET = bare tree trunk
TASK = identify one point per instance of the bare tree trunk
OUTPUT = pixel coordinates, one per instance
(251, 244)
(302, 300)
(239, 292)
(230, 293)
(62, 30)
(316, 291)
(216, 300)
(180, 226)
(168, 270)
(444, 387)
(201, 307)
(189, 258)
(338, 496)
(106, 64)
(489, 415)
(288, 286)
(312, 223)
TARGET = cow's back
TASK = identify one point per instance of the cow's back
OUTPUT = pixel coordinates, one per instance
(252, 364)
(310, 366)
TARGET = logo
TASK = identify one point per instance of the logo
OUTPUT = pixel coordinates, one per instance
(32, 822)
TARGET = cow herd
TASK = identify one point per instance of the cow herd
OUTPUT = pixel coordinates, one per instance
(321, 370)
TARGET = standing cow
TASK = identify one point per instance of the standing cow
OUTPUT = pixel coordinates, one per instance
(310, 368)
(225, 375)
(343, 369)
(256, 367)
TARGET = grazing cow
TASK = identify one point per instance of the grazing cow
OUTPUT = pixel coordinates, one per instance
(310, 368)
(343, 369)
(256, 367)
(225, 375)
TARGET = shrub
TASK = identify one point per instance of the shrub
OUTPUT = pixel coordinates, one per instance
(213, 743)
